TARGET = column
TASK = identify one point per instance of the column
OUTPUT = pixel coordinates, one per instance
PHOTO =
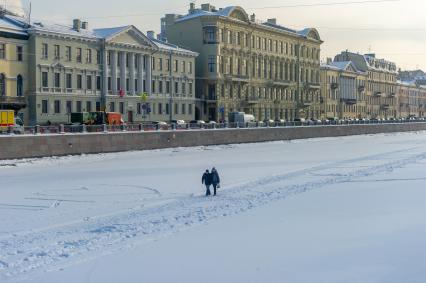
(148, 72)
(123, 71)
(132, 73)
(114, 72)
(140, 72)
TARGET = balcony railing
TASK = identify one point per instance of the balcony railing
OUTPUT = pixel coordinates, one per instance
(349, 101)
(13, 102)
(312, 86)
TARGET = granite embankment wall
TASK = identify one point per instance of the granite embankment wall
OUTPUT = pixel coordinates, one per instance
(16, 147)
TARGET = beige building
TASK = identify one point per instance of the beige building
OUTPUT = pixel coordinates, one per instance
(77, 69)
(343, 91)
(411, 100)
(247, 65)
(381, 87)
(14, 55)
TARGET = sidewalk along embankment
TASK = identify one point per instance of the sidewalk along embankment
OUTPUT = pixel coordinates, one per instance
(17, 147)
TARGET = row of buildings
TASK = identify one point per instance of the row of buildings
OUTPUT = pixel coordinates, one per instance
(203, 65)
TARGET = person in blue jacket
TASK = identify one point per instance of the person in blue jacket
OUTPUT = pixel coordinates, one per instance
(207, 181)
(215, 179)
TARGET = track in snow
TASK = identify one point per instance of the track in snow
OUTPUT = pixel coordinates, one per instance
(25, 255)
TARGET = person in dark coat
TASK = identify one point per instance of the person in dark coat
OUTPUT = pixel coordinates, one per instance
(215, 179)
(207, 181)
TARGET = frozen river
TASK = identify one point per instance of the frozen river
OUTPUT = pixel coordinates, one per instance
(349, 209)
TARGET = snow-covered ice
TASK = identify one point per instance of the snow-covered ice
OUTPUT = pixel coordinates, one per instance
(348, 209)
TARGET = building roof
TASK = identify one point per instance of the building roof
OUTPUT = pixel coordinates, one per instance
(347, 66)
(172, 47)
(238, 13)
(109, 32)
(10, 24)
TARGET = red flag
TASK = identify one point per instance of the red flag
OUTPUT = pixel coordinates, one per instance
(121, 93)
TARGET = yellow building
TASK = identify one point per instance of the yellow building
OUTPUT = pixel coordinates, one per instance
(13, 63)
(259, 67)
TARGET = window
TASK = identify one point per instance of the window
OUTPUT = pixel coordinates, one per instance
(44, 79)
(98, 57)
(176, 87)
(2, 85)
(176, 108)
(212, 64)
(160, 64)
(139, 108)
(153, 63)
(183, 109)
(160, 87)
(89, 82)
(57, 52)
(98, 106)
(167, 87)
(19, 86)
(210, 35)
(98, 83)
(68, 82)
(190, 88)
(2, 51)
(19, 53)
(127, 84)
(78, 104)
(176, 66)
(57, 106)
(79, 55)
(153, 86)
(112, 106)
(183, 67)
(160, 108)
(89, 56)
(122, 107)
(44, 51)
(88, 106)
(68, 53)
(137, 86)
(183, 88)
(109, 84)
(44, 107)
(118, 84)
(167, 109)
(190, 109)
(69, 107)
(190, 67)
(57, 80)
(79, 82)
(109, 58)
(167, 65)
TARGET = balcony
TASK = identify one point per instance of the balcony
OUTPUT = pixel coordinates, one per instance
(306, 103)
(361, 88)
(250, 101)
(334, 86)
(236, 78)
(282, 83)
(312, 86)
(13, 102)
(348, 101)
(385, 106)
(392, 95)
(377, 93)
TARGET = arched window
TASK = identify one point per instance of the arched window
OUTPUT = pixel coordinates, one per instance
(19, 86)
(2, 85)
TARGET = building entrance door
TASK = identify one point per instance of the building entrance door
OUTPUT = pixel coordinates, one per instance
(130, 116)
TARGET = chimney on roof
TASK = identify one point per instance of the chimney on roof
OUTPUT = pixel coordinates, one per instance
(150, 34)
(207, 7)
(85, 25)
(191, 7)
(253, 17)
(76, 24)
(272, 21)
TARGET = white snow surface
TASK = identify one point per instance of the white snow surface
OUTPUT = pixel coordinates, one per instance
(350, 209)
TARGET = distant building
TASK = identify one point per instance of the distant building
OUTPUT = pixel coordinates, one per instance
(261, 68)
(381, 86)
(343, 90)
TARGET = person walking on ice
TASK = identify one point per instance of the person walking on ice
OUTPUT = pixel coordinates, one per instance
(215, 180)
(207, 181)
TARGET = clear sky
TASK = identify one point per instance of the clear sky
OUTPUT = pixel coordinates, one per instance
(393, 30)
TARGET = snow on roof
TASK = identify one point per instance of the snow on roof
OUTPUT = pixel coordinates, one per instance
(109, 32)
(225, 12)
(12, 25)
(61, 29)
(168, 46)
